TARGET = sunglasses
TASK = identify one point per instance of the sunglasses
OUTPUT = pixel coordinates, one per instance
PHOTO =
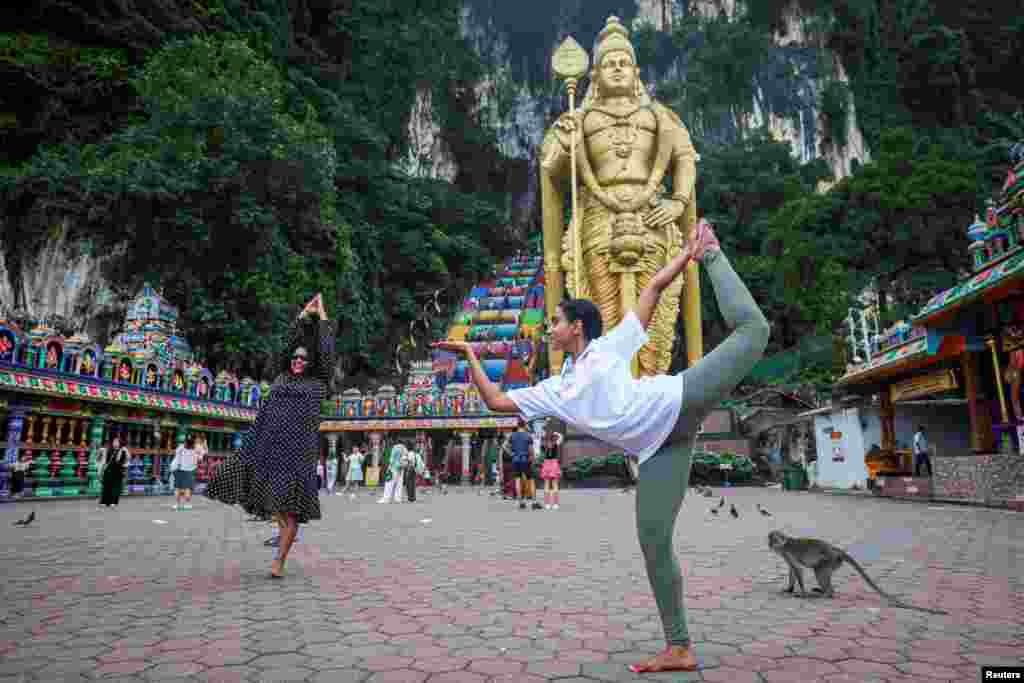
(299, 356)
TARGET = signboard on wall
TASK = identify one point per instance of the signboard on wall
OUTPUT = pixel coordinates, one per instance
(925, 385)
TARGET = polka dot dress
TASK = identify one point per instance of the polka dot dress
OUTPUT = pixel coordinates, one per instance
(275, 470)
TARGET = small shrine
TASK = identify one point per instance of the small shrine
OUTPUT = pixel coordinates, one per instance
(61, 399)
(965, 346)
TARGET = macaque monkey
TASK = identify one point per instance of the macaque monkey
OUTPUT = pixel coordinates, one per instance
(824, 558)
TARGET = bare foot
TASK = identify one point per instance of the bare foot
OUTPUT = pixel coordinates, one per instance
(674, 658)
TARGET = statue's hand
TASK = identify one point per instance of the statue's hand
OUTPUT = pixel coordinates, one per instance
(565, 125)
(667, 211)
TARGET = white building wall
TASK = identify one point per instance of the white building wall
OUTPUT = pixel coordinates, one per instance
(947, 427)
(841, 461)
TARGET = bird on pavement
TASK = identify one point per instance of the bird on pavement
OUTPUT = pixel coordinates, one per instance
(732, 511)
(714, 511)
(763, 511)
(721, 503)
(28, 520)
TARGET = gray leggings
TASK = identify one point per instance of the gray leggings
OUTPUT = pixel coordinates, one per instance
(664, 476)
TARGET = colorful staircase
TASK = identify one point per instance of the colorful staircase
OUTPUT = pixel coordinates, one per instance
(503, 319)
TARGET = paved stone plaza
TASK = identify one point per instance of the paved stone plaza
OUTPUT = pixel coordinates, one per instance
(486, 592)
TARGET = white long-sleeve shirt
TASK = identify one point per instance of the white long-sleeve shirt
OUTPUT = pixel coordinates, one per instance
(184, 459)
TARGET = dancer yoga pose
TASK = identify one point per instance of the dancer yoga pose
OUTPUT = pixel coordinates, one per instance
(273, 475)
(655, 418)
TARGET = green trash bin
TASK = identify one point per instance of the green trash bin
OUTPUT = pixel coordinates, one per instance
(794, 478)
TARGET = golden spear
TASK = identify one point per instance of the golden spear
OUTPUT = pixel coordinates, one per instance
(570, 62)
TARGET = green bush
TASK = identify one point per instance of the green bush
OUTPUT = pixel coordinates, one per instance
(613, 465)
(706, 466)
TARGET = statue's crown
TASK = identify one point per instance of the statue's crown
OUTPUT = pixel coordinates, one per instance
(614, 36)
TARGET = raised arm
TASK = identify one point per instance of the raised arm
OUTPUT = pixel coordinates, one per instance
(327, 336)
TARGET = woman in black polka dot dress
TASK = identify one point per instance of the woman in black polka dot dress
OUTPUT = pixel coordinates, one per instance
(273, 475)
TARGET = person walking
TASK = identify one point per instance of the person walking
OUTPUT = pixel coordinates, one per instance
(551, 471)
(355, 472)
(656, 418)
(113, 473)
(273, 475)
(922, 452)
(395, 472)
(183, 469)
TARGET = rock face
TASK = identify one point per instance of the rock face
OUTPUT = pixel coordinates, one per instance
(64, 278)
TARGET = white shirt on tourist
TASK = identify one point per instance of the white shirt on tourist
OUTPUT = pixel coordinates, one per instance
(184, 459)
(598, 394)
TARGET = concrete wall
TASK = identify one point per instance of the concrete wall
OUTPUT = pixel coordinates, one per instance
(986, 479)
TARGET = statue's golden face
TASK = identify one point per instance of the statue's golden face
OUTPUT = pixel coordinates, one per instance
(617, 74)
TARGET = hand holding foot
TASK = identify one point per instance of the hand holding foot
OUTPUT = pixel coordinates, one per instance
(674, 658)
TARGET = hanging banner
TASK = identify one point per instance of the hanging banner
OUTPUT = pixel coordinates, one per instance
(925, 385)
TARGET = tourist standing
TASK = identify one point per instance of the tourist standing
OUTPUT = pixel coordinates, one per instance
(273, 475)
(657, 418)
(332, 473)
(521, 445)
(355, 471)
(393, 487)
(18, 470)
(183, 469)
(414, 468)
(551, 471)
(113, 473)
(922, 452)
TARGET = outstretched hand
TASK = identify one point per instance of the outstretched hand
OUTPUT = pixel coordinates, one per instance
(454, 346)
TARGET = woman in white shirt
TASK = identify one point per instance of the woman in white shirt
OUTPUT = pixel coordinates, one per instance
(183, 467)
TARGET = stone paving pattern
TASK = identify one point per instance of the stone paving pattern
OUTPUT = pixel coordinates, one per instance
(486, 592)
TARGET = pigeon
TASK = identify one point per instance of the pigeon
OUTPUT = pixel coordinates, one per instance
(721, 503)
(714, 511)
(732, 511)
(763, 511)
(28, 520)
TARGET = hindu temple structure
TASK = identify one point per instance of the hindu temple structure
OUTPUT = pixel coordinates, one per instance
(62, 399)
(965, 345)
(503, 319)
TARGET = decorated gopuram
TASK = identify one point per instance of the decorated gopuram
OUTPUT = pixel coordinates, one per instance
(966, 344)
(503, 319)
(62, 399)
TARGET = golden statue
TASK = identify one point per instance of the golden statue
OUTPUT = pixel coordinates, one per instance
(629, 225)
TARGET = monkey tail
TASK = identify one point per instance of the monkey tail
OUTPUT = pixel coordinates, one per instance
(864, 575)
(893, 600)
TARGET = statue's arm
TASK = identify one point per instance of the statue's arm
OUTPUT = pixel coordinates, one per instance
(684, 160)
(554, 154)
